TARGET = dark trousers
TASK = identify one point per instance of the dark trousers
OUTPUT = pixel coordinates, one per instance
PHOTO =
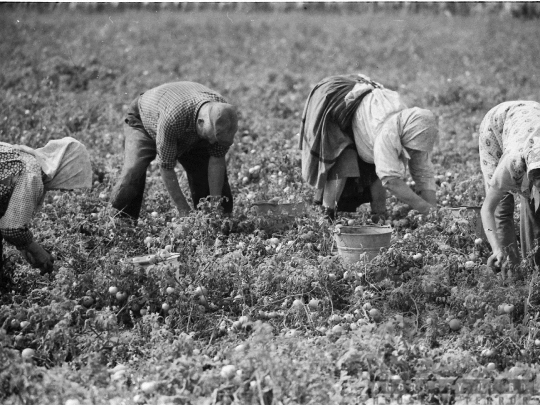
(139, 151)
(529, 228)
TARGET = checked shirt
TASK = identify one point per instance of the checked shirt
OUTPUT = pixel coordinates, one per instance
(169, 115)
(21, 192)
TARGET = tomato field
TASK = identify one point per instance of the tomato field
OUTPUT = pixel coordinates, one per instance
(259, 309)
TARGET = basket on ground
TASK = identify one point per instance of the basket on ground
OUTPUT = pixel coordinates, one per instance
(357, 242)
(147, 260)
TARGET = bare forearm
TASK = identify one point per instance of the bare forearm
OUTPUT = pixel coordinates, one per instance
(398, 188)
(429, 196)
(173, 187)
(490, 227)
(216, 175)
(378, 197)
(493, 199)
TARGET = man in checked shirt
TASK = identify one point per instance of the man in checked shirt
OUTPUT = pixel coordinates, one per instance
(185, 122)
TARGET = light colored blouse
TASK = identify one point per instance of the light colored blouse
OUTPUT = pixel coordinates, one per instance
(377, 134)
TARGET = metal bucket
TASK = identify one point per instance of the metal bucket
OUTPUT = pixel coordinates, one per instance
(353, 241)
(471, 214)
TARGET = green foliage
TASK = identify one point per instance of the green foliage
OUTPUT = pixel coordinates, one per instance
(263, 292)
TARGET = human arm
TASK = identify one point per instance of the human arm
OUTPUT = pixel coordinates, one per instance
(390, 159)
(429, 196)
(173, 187)
(168, 131)
(216, 174)
(38, 257)
(378, 198)
(497, 214)
(34, 254)
(493, 197)
(398, 188)
(27, 194)
(423, 174)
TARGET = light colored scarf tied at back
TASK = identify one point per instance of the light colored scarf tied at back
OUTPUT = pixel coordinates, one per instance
(412, 128)
(65, 162)
(419, 129)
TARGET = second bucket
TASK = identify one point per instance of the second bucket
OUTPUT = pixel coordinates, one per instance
(354, 241)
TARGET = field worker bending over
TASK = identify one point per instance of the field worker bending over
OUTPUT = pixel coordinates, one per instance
(509, 145)
(357, 139)
(26, 174)
(185, 122)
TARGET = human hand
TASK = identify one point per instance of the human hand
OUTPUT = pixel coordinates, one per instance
(431, 215)
(38, 258)
(377, 217)
(184, 209)
(496, 260)
(427, 209)
(183, 213)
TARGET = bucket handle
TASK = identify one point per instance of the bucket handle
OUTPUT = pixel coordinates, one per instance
(337, 229)
(253, 204)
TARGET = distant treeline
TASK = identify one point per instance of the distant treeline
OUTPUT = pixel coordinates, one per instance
(514, 9)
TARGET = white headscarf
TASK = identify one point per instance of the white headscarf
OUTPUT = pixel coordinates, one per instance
(65, 162)
(418, 129)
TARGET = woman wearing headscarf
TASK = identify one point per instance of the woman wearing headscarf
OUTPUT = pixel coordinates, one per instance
(26, 174)
(509, 144)
(357, 139)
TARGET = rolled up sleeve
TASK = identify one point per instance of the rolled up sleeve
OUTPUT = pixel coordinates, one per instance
(20, 238)
(422, 170)
(502, 178)
(388, 158)
(167, 143)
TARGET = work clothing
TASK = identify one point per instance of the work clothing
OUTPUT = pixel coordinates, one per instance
(509, 145)
(25, 176)
(354, 113)
(169, 115)
(392, 136)
(171, 138)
